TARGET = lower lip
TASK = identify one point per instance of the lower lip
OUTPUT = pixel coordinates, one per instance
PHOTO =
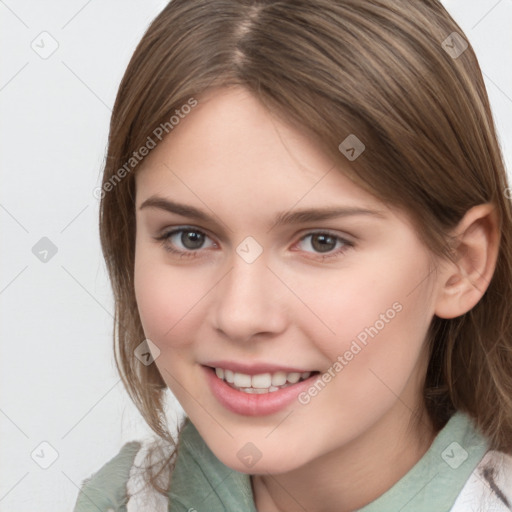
(253, 404)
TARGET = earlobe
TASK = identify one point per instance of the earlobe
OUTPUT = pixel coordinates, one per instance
(464, 282)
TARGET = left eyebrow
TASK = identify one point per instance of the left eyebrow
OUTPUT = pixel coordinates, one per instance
(282, 218)
(318, 214)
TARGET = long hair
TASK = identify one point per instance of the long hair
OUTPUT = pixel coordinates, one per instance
(398, 75)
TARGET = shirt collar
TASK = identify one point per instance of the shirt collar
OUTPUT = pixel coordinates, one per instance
(200, 481)
(436, 480)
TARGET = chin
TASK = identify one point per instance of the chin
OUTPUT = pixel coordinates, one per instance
(278, 463)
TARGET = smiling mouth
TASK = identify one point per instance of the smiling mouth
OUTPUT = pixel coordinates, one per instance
(261, 383)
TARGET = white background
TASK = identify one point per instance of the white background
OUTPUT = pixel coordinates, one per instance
(58, 379)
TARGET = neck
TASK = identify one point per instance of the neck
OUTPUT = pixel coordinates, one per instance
(352, 476)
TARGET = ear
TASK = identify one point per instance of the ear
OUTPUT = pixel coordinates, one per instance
(463, 283)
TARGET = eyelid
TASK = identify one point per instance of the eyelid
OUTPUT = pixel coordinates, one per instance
(166, 234)
(344, 235)
(327, 231)
(335, 253)
(184, 227)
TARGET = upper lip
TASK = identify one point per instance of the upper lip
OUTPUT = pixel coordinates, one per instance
(255, 368)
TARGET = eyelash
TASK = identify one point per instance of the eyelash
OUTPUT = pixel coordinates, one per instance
(164, 240)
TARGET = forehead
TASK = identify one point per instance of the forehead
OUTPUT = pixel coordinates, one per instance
(232, 147)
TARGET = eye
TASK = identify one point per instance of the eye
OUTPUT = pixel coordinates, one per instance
(190, 239)
(187, 242)
(323, 244)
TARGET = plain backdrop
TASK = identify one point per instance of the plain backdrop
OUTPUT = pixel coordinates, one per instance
(63, 410)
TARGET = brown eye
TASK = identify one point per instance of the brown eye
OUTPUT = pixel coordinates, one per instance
(325, 245)
(323, 242)
(184, 241)
(192, 239)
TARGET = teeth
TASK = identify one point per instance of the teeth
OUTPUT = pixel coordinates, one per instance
(264, 380)
(278, 379)
(242, 380)
(261, 383)
(293, 377)
(255, 391)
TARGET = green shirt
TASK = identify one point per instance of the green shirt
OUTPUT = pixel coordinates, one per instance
(202, 483)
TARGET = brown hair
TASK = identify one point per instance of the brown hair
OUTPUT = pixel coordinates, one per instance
(380, 70)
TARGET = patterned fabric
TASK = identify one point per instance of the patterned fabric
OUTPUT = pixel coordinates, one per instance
(457, 474)
(105, 490)
(143, 498)
(489, 488)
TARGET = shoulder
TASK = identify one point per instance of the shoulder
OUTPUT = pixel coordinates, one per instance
(106, 488)
(489, 487)
(141, 495)
(110, 488)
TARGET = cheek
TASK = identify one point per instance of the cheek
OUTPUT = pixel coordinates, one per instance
(166, 297)
(389, 298)
(337, 307)
(371, 325)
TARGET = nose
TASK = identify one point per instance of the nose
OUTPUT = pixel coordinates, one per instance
(249, 301)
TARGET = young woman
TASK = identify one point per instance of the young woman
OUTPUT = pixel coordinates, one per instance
(304, 216)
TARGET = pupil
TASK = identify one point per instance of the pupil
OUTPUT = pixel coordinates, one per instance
(192, 239)
(322, 247)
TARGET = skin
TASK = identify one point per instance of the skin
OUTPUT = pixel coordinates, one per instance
(351, 442)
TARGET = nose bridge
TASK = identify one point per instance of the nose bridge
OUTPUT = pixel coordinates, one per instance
(246, 303)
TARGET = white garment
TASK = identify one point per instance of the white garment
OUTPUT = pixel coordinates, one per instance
(477, 494)
(142, 496)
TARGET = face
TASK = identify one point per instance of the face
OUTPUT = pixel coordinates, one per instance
(348, 296)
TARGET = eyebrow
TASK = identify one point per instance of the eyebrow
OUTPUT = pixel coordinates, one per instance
(282, 218)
